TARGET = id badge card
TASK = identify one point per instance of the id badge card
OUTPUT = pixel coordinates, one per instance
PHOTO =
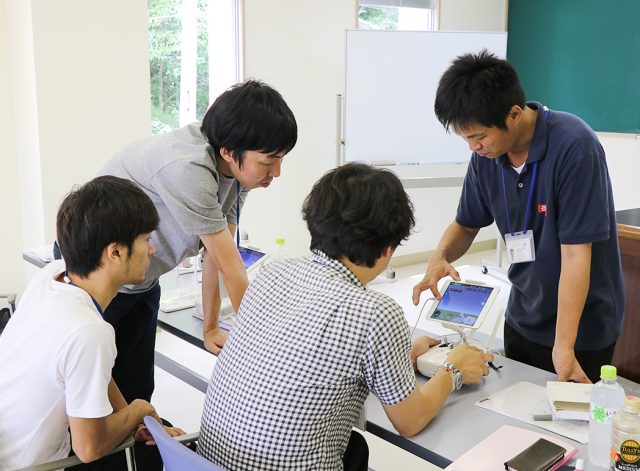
(520, 247)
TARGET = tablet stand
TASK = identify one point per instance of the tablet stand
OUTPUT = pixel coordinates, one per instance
(458, 329)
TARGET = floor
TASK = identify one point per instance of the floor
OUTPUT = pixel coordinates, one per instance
(182, 404)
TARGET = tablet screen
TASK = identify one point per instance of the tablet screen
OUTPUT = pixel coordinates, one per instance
(462, 303)
(249, 256)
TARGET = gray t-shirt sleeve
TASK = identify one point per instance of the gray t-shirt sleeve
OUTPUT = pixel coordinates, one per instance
(190, 193)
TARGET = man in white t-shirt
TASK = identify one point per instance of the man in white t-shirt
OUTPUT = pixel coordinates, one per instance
(57, 350)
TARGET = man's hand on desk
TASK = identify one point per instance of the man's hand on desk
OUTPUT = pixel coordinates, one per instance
(567, 366)
(421, 345)
(438, 268)
(214, 340)
(471, 361)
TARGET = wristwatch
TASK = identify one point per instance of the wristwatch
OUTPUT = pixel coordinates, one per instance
(456, 375)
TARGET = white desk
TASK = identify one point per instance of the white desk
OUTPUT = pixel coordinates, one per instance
(38, 256)
(451, 433)
(461, 424)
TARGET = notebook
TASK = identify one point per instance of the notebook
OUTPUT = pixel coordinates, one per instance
(503, 444)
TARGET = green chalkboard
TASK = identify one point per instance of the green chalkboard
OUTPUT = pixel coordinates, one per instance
(580, 56)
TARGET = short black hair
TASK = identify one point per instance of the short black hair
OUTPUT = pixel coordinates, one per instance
(250, 116)
(105, 210)
(478, 89)
(357, 211)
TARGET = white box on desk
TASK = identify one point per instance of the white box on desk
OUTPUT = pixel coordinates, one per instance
(569, 401)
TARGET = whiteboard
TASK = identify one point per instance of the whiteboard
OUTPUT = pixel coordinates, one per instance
(391, 81)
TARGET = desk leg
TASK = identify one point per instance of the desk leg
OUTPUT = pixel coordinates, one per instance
(181, 372)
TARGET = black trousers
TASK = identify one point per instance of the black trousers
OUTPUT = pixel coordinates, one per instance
(519, 348)
(134, 318)
(356, 456)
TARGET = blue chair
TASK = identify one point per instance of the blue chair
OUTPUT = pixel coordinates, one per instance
(176, 456)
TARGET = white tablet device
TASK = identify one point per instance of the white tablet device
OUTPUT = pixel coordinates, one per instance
(464, 304)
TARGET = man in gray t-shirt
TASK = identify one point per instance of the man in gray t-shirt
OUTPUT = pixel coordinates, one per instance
(198, 178)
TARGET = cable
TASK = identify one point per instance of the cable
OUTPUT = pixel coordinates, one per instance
(494, 331)
(420, 315)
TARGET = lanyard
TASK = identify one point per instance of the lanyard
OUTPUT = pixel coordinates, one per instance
(95, 303)
(238, 213)
(531, 188)
(526, 210)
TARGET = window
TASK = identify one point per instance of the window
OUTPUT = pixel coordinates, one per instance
(398, 14)
(194, 55)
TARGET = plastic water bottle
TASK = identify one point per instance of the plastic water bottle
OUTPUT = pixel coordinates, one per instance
(280, 251)
(607, 397)
(625, 437)
(244, 239)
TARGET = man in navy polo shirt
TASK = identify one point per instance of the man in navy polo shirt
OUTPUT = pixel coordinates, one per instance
(541, 175)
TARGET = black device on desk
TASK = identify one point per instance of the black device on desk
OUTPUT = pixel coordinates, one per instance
(541, 456)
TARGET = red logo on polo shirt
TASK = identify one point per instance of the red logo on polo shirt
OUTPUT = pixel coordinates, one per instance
(542, 209)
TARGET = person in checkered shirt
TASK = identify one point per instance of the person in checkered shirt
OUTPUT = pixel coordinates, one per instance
(311, 342)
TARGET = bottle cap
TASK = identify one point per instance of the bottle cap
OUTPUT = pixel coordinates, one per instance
(608, 372)
(579, 464)
(632, 404)
(280, 241)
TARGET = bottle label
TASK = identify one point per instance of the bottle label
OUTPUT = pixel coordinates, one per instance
(628, 459)
(604, 415)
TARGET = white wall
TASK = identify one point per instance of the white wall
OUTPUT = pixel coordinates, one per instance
(79, 90)
(92, 80)
(473, 15)
(297, 46)
(623, 159)
(299, 49)
(11, 230)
